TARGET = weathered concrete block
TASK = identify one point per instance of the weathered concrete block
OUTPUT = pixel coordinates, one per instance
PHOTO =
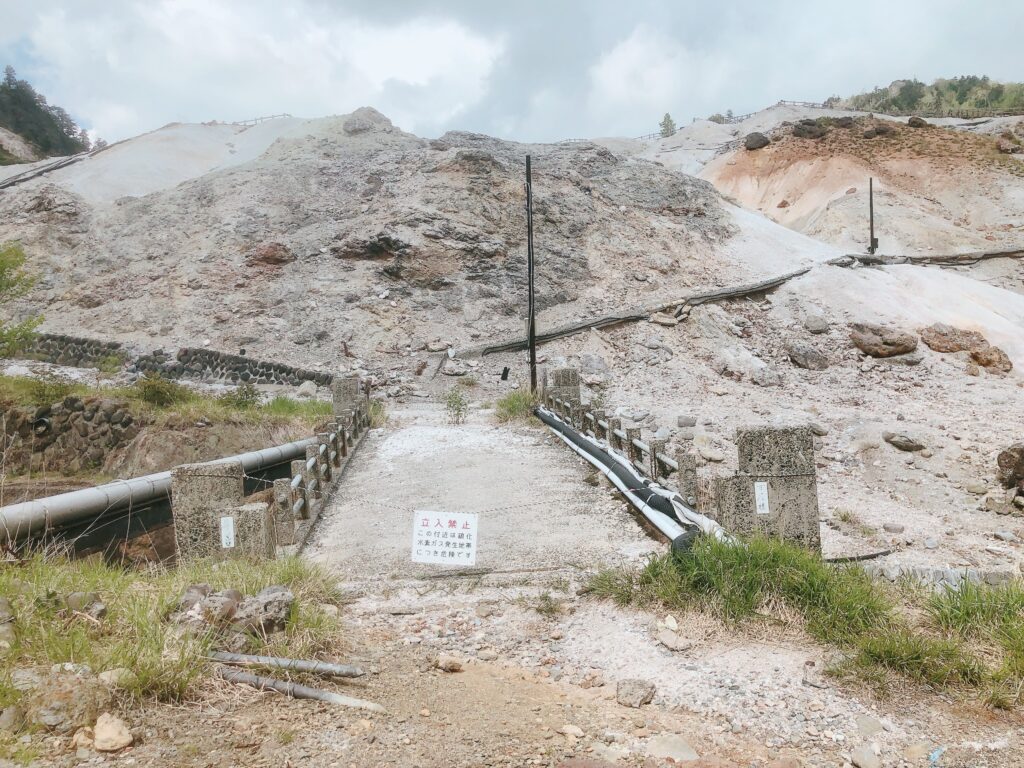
(283, 517)
(789, 508)
(773, 451)
(347, 395)
(199, 494)
(255, 532)
(564, 384)
(686, 480)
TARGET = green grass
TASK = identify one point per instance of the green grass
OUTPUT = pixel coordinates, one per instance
(157, 400)
(378, 414)
(456, 405)
(517, 405)
(971, 638)
(135, 633)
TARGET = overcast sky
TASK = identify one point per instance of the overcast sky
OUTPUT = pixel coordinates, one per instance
(517, 69)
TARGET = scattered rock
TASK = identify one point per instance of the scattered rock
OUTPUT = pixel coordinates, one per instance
(1008, 147)
(487, 654)
(219, 607)
(992, 359)
(783, 204)
(864, 757)
(814, 323)
(917, 122)
(1011, 466)
(893, 528)
(671, 746)
(756, 140)
(265, 612)
(571, 730)
(809, 129)
(878, 341)
(272, 254)
(194, 595)
(684, 422)
(111, 734)
(634, 693)
(1006, 536)
(673, 641)
(12, 719)
(868, 726)
(660, 318)
(902, 442)
(66, 701)
(447, 663)
(945, 338)
(977, 488)
(306, 390)
(805, 356)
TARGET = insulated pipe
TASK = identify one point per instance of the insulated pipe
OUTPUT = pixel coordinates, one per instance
(663, 508)
(18, 521)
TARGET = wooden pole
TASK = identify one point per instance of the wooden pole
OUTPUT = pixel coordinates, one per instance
(531, 322)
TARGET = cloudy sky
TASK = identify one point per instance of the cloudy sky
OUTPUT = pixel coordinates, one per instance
(526, 70)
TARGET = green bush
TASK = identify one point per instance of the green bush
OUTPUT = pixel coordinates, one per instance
(110, 364)
(244, 397)
(158, 391)
(49, 390)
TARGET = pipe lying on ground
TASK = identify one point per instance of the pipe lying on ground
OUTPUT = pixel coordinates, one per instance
(295, 691)
(664, 509)
(18, 521)
(293, 665)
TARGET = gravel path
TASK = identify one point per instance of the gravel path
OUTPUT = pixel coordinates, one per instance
(536, 511)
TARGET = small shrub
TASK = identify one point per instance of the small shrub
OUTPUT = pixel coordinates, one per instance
(158, 391)
(378, 414)
(110, 364)
(244, 397)
(935, 662)
(468, 381)
(517, 405)
(456, 404)
(49, 390)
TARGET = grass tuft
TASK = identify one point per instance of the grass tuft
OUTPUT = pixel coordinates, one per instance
(517, 405)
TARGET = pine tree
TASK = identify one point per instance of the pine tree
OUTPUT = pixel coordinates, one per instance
(15, 282)
(10, 76)
(668, 125)
(83, 139)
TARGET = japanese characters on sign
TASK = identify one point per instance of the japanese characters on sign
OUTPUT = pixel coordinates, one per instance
(761, 497)
(444, 538)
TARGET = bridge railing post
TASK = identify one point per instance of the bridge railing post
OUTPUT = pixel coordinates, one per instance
(657, 447)
(300, 490)
(632, 452)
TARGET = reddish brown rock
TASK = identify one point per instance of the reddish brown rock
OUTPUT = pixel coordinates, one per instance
(945, 338)
(878, 341)
(992, 359)
(1011, 466)
(272, 253)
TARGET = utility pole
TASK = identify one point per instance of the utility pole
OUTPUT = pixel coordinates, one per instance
(531, 321)
(873, 243)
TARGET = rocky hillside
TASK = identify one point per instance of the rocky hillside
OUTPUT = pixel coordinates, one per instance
(936, 188)
(345, 236)
(902, 97)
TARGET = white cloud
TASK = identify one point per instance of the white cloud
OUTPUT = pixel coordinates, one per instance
(649, 73)
(133, 67)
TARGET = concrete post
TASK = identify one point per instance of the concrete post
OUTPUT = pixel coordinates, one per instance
(298, 468)
(316, 479)
(199, 495)
(255, 532)
(565, 384)
(614, 425)
(657, 447)
(775, 492)
(284, 521)
(347, 393)
(600, 432)
(632, 452)
(324, 439)
(335, 448)
(686, 480)
(342, 443)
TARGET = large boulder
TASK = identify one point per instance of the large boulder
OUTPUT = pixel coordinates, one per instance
(917, 122)
(1011, 466)
(67, 701)
(809, 129)
(945, 338)
(756, 140)
(266, 612)
(878, 341)
(992, 359)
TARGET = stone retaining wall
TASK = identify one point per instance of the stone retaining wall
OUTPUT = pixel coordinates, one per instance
(72, 350)
(189, 362)
(66, 437)
(210, 365)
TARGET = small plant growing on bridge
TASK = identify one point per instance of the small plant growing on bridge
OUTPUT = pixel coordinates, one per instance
(456, 404)
(15, 282)
(517, 405)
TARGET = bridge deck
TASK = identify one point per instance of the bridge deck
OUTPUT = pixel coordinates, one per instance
(536, 511)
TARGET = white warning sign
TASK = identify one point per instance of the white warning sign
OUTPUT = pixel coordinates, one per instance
(227, 532)
(444, 538)
(761, 497)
